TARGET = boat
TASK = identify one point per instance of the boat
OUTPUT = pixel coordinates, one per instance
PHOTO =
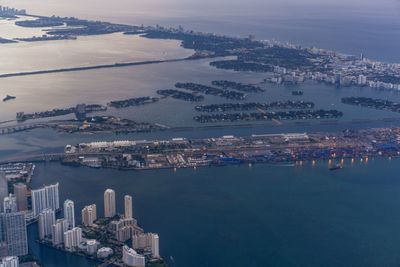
(9, 97)
(336, 167)
(297, 93)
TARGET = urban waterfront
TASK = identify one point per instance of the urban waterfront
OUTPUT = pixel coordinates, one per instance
(298, 215)
(256, 215)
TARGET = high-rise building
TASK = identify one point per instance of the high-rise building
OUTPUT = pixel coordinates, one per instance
(10, 261)
(72, 238)
(69, 213)
(128, 207)
(155, 246)
(3, 188)
(21, 194)
(46, 221)
(89, 215)
(58, 230)
(131, 258)
(91, 246)
(15, 234)
(148, 242)
(10, 204)
(123, 229)
(46, 197)
(109, 203)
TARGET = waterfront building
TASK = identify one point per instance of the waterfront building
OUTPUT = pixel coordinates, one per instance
(149, 242)
(123, 234)
(58, 230)
(47, 219)
(89, 215)
(128, 207)
(104, 252)
(10, 261)
(124, 229)
(91, 246)
(21, 194)
(15, 233)
(46, 197)
(3, 188)
(109, 203)
(69, 213)
(362, 80)
(10, 204)
(72, 238)
(131, 258)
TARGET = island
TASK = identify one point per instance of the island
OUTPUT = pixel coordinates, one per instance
(228, 150)
(238, 86)
(267, 116)
(253, 106)
(208, 90)
(181, 95)
(138, 101)
(372, 103)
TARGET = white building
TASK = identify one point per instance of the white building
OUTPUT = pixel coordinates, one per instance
(131, 258)
(58, 230)
(149, 242)
(89, 215)
(46, 197)
(69, 213)
(104, 252)
(128, 207)
(362, 80)
(9, 262)
(72, 238)
(47, 219)
(109, 203)
(91, 246)
(10, 204)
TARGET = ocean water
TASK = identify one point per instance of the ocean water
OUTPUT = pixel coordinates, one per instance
(266, 215)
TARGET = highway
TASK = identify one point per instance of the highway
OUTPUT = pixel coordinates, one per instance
(94, 67)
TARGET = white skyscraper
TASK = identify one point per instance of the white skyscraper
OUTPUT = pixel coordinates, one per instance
(155, 246)
(131, 258)
(45, 198)
(46, 221)
(72, 238)
(89, 215)
(9, 262)
(109, 203)
(10, 204)
(128, 207)
(58, 229)
(148, 242)
(91, 246)
(69, 213)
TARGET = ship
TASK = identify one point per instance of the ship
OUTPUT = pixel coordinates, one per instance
(8, 97)
(297, 93)
(336, 167)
